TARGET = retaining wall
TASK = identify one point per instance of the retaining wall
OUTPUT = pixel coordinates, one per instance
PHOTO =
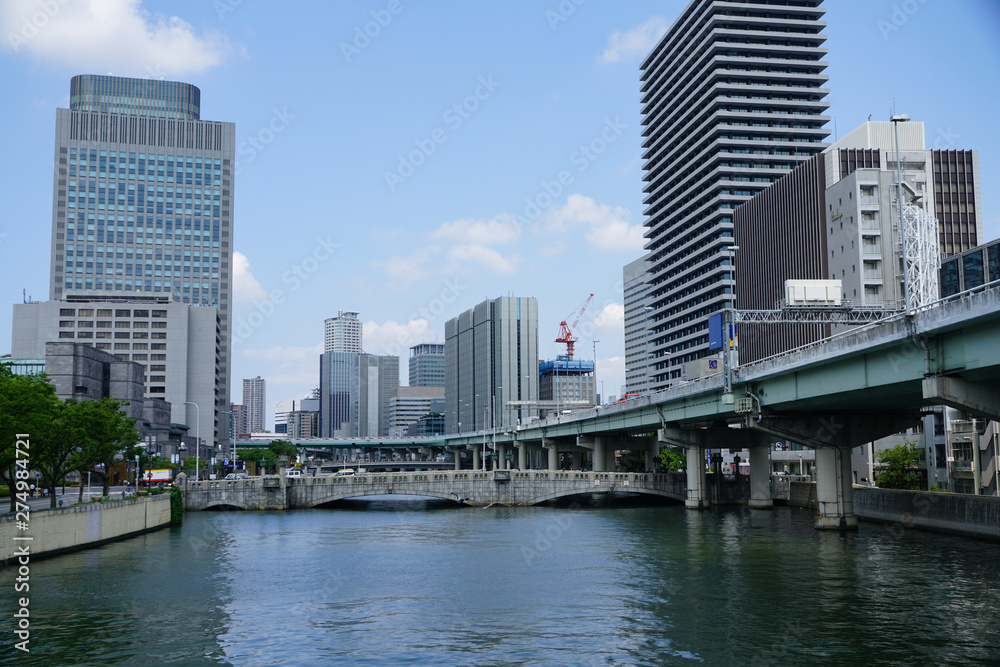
(973, 516)
(65, 529)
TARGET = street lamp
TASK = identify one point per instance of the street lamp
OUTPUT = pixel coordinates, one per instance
(728, 323)
(896, 119)
(197, 438)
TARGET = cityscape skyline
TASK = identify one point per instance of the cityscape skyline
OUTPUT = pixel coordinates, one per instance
(486, 211)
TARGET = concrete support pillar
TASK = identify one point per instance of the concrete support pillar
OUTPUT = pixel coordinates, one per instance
(653, 455)
(834, 492)
(697, 491)
(600, 455)
(502, 463)
(522, 454)
(553, 453)
(760, 479)
(476, 459)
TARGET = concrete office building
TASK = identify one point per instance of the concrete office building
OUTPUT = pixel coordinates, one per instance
(142, 210)
(378, 377)
(302, 421)
(178, 345)
(409, 404)
(491, 357)
(427, 365)
(255, 403)
(84, 373)
(238, 421)
(733, 98)
(342, 333)
(569, 382)
(637, 311)
(835, 217)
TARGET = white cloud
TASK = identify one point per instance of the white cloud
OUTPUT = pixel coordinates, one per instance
(412, 267)
(245, 286)
(109, 35)
(393, 337)
(609, 229)
(636, 41)
(479, 257)
(611, 318)
(503, 230)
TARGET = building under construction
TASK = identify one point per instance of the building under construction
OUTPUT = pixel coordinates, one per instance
(567, 382)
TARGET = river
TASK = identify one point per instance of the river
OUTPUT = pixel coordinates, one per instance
(409, 582)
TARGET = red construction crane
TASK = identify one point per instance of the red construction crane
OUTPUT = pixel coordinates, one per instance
(566, 331)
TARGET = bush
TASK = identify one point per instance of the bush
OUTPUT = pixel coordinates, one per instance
(176, 506)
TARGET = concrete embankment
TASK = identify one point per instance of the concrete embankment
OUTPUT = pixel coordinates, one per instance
(55, 531)
(973, 516)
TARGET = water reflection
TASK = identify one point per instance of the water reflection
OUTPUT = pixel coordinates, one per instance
(379, 582)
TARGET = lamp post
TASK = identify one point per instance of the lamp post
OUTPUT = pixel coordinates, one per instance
(728, 323)
(896, 119)
(197, 438)
(596, 403)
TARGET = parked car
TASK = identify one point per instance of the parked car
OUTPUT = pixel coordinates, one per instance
(238, 475)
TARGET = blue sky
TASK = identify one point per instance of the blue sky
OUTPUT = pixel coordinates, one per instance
(456, 152)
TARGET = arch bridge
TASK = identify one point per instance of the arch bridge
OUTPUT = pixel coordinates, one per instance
(467, 487)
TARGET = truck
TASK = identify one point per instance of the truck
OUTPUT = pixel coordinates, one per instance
(155, 476)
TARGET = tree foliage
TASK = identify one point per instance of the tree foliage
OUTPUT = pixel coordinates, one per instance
(26, 406)
(896, 467)
(65, 435)
(673, 458)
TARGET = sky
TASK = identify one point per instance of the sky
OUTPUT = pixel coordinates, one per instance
(408, 160)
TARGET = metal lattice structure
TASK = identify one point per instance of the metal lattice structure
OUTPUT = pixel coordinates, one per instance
(816, 315)
(922, 256)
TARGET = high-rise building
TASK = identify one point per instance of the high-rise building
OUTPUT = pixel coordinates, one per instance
(255, 403)
(733, 97)
(378, 377)
(342, 333)
(491, 357)
(354, 393)
(142, 222)
(238, 421)
(637, 311)
(337, 376)
(427, 365)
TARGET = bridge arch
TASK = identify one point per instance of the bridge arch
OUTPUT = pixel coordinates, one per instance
(367, 492)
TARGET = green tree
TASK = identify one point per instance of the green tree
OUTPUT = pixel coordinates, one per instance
(633, 462)
(258, 454)
(896, 469)
(109, 433)
(283, 449)
(57, 451)
(673, 458)
(27, 405)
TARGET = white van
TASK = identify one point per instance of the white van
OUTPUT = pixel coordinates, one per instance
(294, 472)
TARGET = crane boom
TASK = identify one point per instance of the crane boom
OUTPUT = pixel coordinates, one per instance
(566, 331)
